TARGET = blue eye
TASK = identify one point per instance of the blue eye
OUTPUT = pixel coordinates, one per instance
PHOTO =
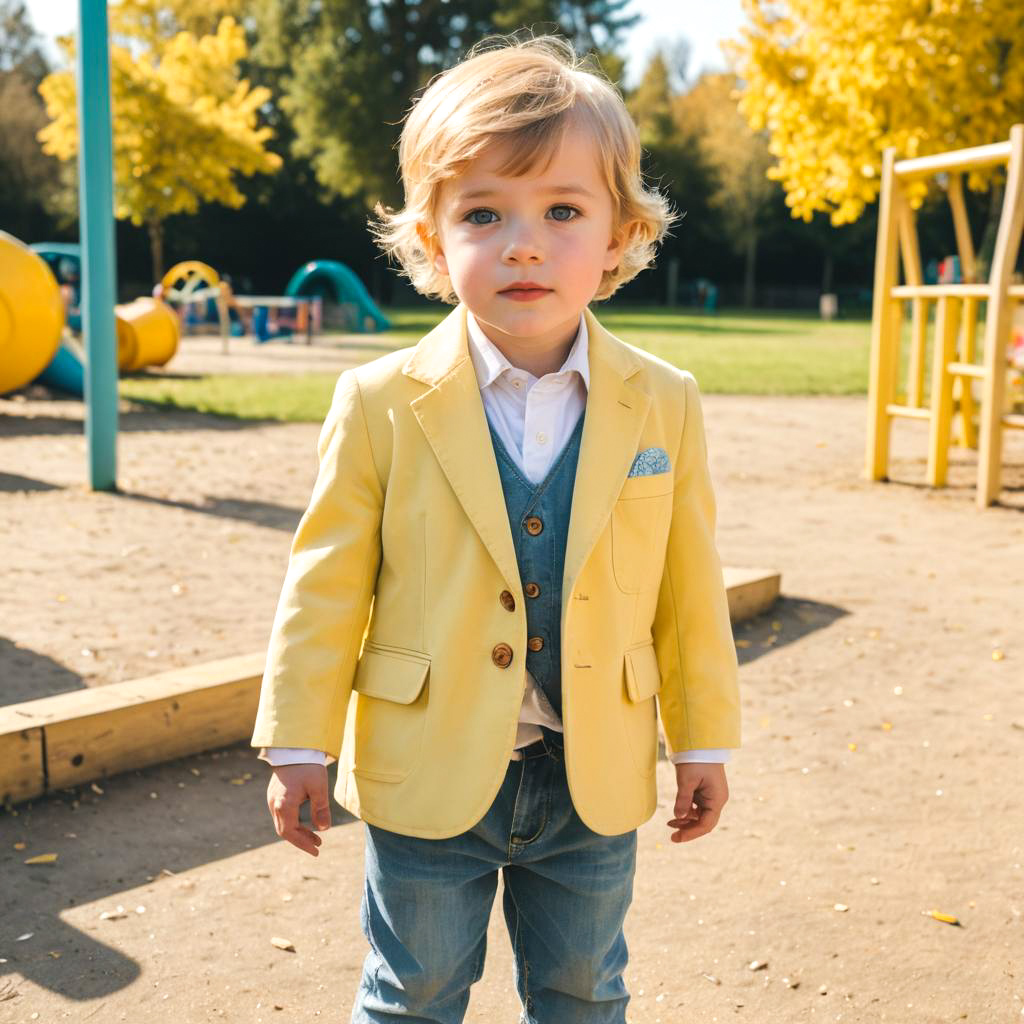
(557, 214)
(571, 209)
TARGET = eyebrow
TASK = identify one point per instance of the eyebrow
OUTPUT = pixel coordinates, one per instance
(482, 193)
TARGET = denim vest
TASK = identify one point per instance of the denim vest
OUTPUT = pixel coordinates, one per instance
(538, 515)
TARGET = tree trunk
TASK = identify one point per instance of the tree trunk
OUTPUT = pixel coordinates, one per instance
(156, 248)
(749, 269)
(827, 271)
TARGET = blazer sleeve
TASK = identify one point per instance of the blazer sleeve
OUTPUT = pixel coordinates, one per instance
(325, 602)
(699, 696)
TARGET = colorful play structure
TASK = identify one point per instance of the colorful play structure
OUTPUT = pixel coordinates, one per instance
(40, 287)
(34, 344)
(319, 291)
(960, 307)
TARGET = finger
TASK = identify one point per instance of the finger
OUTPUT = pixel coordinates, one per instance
(689, 830)
(284, 809)
(307, 841)
(684, 801)
(320, 808)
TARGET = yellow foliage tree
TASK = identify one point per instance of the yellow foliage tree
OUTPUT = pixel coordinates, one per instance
(837, 83)
(738, 159)
(184, 124)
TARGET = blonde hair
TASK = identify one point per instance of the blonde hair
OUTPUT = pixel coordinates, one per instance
(524, 93)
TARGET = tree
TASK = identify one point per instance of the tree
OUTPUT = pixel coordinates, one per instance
(837, 83)
(29, 182)
(349, 69)
(184, 124)
(738, 159)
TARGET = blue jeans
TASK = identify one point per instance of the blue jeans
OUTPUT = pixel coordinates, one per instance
(426, 904)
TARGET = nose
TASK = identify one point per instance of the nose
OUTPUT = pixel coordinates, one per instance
(522, 247)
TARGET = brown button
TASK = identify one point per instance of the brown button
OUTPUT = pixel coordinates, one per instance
(532, 590)
(533, 525)
(535, 643)
(508, 602)
(502, 655)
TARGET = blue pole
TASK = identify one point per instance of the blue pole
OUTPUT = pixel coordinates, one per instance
(95, 213)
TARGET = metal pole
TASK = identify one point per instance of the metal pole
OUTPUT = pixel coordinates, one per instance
(99, 274)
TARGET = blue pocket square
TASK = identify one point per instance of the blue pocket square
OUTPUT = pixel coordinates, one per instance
(650, 461)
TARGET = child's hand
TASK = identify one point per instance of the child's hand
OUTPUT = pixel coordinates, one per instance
(702, 785)
(290, 786)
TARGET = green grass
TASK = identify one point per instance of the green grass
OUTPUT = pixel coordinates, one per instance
(730, 352)
(299, 398)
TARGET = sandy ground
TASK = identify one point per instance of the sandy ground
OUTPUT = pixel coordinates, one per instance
(884, 732)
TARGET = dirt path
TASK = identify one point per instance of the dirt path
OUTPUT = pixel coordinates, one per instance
(884, 732)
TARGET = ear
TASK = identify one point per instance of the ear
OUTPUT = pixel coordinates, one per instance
(613, 254)
(432, 247)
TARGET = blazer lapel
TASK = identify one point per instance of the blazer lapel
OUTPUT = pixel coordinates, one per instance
(451, 415)
(615, 416)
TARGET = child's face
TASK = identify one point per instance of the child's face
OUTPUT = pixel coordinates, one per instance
(551, 228)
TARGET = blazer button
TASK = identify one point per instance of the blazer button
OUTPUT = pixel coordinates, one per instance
(508, 602)
(502, 655)
(531, 590)
(535, 643)
(533, 524)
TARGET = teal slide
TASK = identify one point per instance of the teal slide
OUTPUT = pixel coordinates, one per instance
(332, 280)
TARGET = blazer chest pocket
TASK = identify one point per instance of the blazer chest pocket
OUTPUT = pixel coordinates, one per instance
(390, 711)
(640, 521)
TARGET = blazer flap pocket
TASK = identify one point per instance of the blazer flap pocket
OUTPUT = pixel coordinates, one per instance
(391, 674)
(643, 679)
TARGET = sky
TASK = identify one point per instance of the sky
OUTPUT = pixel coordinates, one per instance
(703, 22)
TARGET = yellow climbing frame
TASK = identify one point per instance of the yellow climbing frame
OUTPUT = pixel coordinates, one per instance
(958, 307)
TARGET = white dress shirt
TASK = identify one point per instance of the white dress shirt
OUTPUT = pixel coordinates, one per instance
(534, 417)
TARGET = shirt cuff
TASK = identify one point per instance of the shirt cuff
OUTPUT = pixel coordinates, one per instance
(276, 756)
(719, 755)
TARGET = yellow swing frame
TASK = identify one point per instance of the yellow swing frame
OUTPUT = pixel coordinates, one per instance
(958, 307)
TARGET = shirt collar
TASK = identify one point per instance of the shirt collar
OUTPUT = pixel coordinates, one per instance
(490, 362)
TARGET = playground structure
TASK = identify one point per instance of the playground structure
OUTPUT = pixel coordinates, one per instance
(959, 307)
(31, 314)
(34, 343)
(316, 286)
(40, 288)
(333, 281)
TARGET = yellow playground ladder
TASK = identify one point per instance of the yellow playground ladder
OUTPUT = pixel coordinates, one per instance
(954, 348)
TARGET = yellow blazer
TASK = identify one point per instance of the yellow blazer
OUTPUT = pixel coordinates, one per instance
(383, 646)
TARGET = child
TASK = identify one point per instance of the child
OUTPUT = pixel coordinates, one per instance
(507, 557)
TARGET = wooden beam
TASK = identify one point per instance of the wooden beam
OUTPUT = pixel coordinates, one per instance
(997, 323)
(881, 380)
(962, 228)
(956, 160)
(938, 291)
(750, 591)
(89, 734)
(943, 353)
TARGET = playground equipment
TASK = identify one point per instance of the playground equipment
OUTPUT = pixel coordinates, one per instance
(300, 309)
(31, 314)
(32, 306)
(335, 282)
(147, 334)
(193, 283)
(958, 308)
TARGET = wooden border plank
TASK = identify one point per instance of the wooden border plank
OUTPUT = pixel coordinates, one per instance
(751, 591)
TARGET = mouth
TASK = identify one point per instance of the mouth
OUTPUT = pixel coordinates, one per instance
(525, 291)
